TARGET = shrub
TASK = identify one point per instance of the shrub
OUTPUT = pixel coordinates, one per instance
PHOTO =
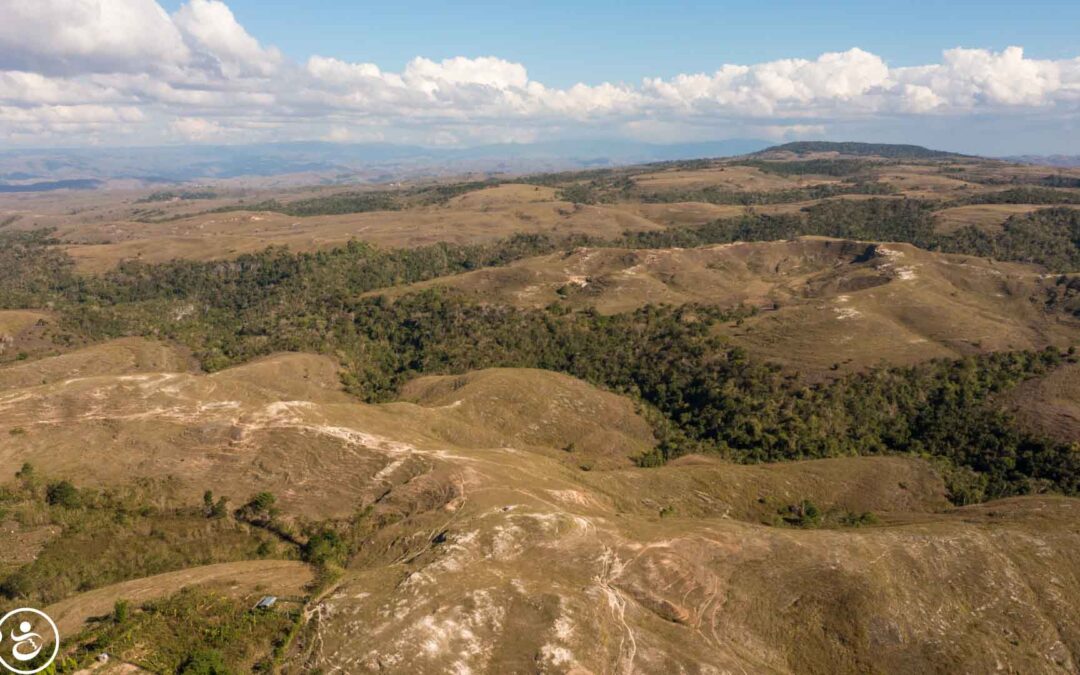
(62, 493)
(325, 546)
(204, 662)
(121, 610)
(804, 514)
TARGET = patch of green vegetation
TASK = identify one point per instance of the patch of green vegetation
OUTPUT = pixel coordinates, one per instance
(887, 150)
(343, 203)
(806, 515)
(611, 188)
(1025, 195)
(908, 220)
(1049, 237)
(717, 195)
(1059, 181)
(109, 536)
(170, 195)
(820, 167)
(194, 632)
(29, 268)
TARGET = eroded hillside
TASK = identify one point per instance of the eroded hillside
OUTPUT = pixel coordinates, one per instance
(491, 549)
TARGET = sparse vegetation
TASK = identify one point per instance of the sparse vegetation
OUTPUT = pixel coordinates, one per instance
(108, 536)
(193, 632)
(821, 167)
(181, 195)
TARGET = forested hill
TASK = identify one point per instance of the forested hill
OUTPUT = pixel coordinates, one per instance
(888, 150)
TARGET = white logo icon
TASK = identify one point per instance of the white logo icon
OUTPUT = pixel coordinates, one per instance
(19, 643)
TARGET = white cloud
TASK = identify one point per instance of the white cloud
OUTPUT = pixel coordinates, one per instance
(429, 76)
(199, 74)
(787, 132)
(196, 129)
(971, 78)
(339, 72)
(79, 36)
(211, 27)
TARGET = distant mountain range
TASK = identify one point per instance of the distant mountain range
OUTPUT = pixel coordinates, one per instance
(39, 170)
(43, 170)
(1064, 161)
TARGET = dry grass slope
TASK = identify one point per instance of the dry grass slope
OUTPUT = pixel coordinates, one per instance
(825, 301)
(499, 554)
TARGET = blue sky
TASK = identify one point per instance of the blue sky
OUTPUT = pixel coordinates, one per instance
(565, 42)
(982, 77)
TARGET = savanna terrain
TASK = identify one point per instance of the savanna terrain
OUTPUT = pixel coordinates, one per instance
(812, 410)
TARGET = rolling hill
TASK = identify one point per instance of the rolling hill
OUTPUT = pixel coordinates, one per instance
(812, 410)
(496, 550)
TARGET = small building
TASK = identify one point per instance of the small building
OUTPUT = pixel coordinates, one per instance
(267, 602)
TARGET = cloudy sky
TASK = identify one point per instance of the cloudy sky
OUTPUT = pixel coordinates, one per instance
(989, 78)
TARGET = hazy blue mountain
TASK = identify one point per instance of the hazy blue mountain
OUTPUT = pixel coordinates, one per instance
(335, 161)
(1064, 161)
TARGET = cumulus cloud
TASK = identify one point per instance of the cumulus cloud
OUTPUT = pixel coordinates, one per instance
(131, 70)
(970, 78)
(196, 128)
(209, 25)
(80, 36)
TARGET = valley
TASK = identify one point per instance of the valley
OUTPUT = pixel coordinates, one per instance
(810, 410)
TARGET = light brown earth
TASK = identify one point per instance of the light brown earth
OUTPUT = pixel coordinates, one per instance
(103, 229)
(1050, 405)
(502, 555)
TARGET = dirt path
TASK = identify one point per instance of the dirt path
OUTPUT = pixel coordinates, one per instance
(274, 577)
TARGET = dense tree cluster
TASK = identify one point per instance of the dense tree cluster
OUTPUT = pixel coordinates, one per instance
(1024, 195)
(30, 267)
(1049, 237)
(886, 150)
(719, 195)
(908, 220)
(341, 203)
(170, 195)
(702, 393)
